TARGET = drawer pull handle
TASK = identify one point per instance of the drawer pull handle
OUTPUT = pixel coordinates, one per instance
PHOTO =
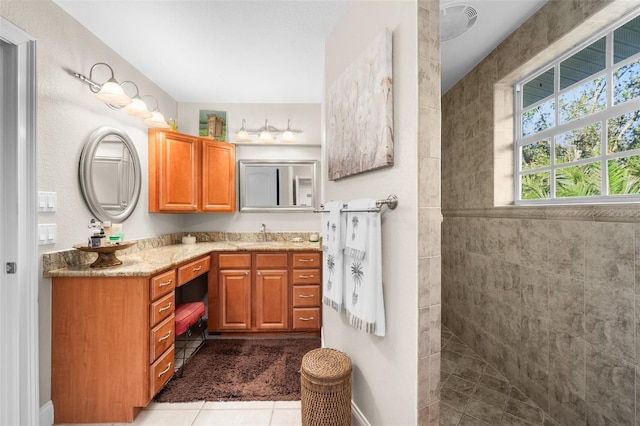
(306, 319)
(307, 276)
(166, 283)
(165, 337)
(305, 296)
(305, 260)
(161, 310)
(163, 372)
(197, 269)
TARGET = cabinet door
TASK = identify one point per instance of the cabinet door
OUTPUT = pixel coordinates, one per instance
(234, 300)
(173, 172)
(218, 176)
(271, 299)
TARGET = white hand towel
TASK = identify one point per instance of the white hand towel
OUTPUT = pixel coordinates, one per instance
(364, 301)
(357, 229)
(333, 226)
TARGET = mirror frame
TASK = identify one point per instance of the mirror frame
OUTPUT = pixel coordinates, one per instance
(86, 174)
(314, 164)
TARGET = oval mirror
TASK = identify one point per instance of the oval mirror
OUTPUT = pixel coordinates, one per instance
(110, 177)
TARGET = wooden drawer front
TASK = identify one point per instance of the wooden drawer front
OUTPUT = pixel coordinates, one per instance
(306, 276)
(162, 337)
(271, 260)
(306, 295)
(306, 260)
(306, 318)
(161, 371)
(227, 261)
(163, 284)
(194, 269)
(162, 308)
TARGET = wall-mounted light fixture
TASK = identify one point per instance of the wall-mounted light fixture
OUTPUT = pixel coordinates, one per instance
(267, 134)
(114, 96)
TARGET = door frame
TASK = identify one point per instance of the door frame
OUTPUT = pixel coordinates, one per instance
(19, 331)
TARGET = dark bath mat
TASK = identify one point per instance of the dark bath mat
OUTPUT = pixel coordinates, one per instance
(241, 370)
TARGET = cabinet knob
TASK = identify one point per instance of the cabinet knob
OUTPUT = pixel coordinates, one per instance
(259, 273)
(246, 273)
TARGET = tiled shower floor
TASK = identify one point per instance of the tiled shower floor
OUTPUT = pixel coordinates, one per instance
(474, 393)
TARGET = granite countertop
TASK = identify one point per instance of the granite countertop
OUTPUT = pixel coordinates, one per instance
(151, 261)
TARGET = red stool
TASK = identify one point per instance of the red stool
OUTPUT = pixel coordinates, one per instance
(188, 315)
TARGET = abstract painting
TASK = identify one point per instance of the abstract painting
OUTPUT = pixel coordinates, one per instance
(360, 112)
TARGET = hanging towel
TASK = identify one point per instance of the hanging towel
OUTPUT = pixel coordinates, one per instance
(333, 226)
(364, 301)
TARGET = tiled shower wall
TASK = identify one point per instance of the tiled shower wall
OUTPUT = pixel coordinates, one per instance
(429, 205)
(546, 294)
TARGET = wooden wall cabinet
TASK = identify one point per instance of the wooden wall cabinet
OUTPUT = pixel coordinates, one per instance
(189, 174)
(265, 292)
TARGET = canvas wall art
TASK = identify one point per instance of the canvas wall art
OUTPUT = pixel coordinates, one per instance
(360, 113)
(213, 124)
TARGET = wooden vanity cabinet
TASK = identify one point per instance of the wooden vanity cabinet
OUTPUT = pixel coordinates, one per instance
(307, 293)
(264, 292)
(112, 345)
(271, 292)
(190, 174)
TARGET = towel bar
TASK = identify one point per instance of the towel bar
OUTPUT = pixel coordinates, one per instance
(391, 201)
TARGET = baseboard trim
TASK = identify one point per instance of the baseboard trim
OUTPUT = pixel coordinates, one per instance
(46, 414)
(357, 418)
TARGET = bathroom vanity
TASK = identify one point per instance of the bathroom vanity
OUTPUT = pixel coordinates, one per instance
(113, 328)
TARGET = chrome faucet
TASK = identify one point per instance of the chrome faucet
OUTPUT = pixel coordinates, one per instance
(263, 229)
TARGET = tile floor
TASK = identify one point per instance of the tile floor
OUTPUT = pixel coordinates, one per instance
(475, 394)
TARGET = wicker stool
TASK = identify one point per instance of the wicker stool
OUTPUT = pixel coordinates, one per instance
(325, 388)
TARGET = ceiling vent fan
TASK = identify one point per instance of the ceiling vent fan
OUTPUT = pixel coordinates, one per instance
(456, 20)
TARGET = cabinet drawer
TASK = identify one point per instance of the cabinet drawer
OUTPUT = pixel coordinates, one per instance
(193, 269)
(306, 276)
(306, 260)
(228, 261)
(162, 308)
(306, 318)
(162, 337)
(161, 371)
(271, 260)
(306, 295)
(163, 284)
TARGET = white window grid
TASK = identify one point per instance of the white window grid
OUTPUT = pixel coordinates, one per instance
(610, 111)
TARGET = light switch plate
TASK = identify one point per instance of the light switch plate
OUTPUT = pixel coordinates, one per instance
(47, 202)
(47, 233)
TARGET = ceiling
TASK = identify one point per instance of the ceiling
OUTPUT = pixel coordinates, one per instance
(259, 51)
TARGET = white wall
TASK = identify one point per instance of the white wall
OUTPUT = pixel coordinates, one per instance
(67, 113)
(385, 374)
(305, 117)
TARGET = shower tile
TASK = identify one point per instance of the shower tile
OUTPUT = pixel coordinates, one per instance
(566, 305)
(460, 385)
(610, 320)
(610, 387)
(495, 384)
(535, 291)
(565, 249)
(455, 400)
(449, 416)
(567, 363)
(525, 411)
(609, 255)
(490, 413)
(470, 421)
(564, 405)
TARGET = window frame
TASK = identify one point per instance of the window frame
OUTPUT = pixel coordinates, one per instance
(610, 111)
